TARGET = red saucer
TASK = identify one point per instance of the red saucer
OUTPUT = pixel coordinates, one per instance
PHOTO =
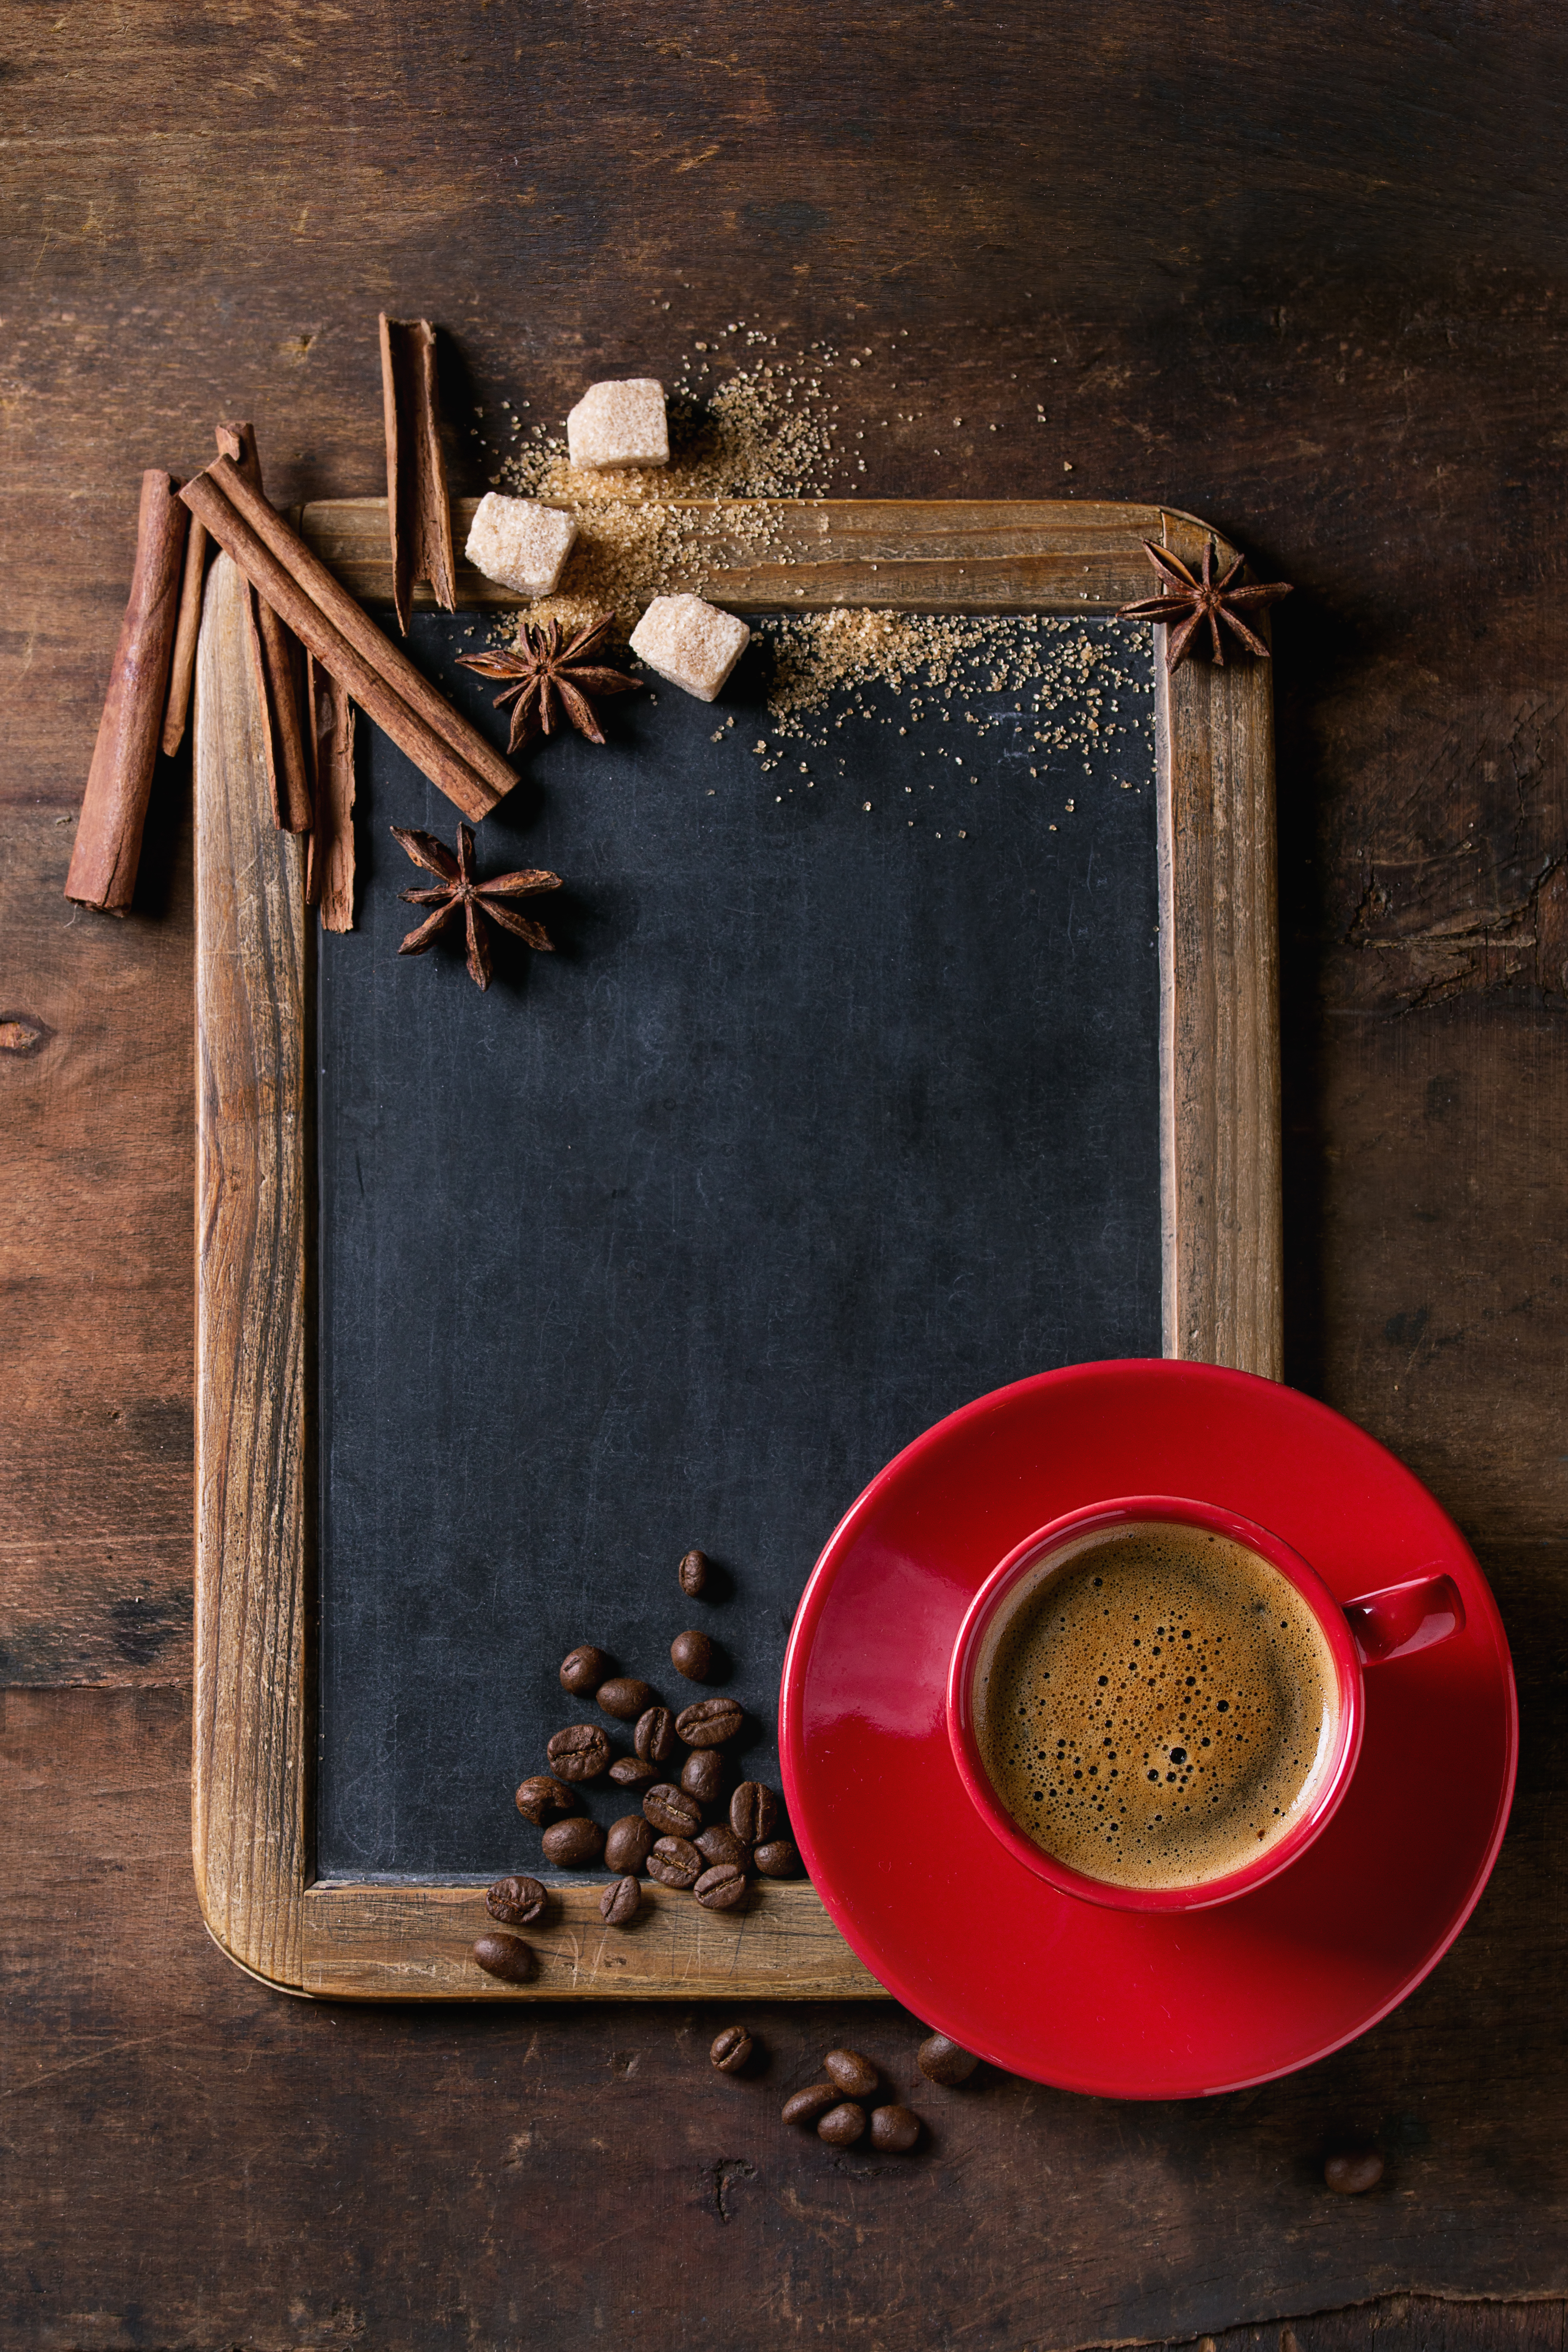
(1118, 2004)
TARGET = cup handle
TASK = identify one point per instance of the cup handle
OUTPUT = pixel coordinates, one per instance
(1404, 1618)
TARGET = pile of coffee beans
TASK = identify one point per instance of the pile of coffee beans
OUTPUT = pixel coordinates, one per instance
(693, 1833)
(840, 2107)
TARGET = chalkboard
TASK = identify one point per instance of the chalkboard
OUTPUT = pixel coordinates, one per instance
(836, 1106)
(877, 1064)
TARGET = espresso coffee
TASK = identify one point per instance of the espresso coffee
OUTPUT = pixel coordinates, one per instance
(1156, 1711)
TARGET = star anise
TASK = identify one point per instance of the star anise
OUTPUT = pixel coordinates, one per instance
(459, 889)
(549, 672)
(1207, 599)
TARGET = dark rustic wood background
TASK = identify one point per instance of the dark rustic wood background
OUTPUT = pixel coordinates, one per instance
(1298, 268)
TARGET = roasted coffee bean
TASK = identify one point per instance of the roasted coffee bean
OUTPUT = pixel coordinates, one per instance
(693, 1574)
(584, 1669)
(942, 2061)
(804, 2106)
(631, 1772)
(722, 1887)
(721, 1844)
(842, 2125)
(506, 1956)
(572, 1845)
(675, 1862)
(516, 1902)
(579, 1753)
(691, 1655)
(620, 1903)
(894, 2129)
(708, 1722)
(541, 1795)
(778, 1859)
(628, 1844)
(851, 2071)
(754, 1812)
(1353, 2174)
(625, 1697)
(672, 1810)
(654, 1737)
(732, 2049)
(703, 1774)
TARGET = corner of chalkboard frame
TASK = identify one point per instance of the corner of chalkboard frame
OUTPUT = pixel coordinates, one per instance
(1222, 1242)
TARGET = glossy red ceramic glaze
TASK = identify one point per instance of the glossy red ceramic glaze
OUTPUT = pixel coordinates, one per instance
(1137, 2004)
(1023, 1566)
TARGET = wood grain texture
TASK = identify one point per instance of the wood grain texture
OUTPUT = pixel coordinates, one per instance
(1293, 289)
(253, 1440)
(1219, 1016)
(412, 1943)
(955, 555)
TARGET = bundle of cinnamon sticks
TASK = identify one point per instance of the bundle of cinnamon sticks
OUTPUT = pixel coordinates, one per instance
(315, 653)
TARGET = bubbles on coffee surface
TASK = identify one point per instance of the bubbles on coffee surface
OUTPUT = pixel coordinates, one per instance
(1155, 1714)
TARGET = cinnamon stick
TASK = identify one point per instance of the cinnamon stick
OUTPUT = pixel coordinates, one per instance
(114, 806)
(182, 663)
(287, 775)
(343, 638)
(419, 517)
(330, 866)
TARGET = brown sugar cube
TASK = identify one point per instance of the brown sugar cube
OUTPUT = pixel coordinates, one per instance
(616, 424)
(693, 645)
(520, 543)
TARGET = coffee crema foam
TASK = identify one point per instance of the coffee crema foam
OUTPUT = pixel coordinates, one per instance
(1155, 1714)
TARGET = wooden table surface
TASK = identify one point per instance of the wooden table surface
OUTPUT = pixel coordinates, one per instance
(1295, 269)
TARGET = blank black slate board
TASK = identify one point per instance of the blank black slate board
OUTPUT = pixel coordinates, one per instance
(821, 1122)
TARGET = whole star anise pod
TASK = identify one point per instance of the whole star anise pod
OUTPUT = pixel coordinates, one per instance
(459, 889)
(547, 672)
(1207, 599)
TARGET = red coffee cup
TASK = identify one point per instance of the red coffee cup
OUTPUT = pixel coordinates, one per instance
(1371, 1631)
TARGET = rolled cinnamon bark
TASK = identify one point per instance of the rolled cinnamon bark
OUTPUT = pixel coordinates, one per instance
(330, 866)
(343, 638)
(288, 770)
(182, 663)
(418, 515)
(114, 806)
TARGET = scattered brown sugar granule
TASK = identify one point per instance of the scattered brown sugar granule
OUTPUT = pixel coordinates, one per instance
(761, 431)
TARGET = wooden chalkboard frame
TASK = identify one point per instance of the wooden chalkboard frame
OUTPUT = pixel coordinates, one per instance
(255, 1665)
